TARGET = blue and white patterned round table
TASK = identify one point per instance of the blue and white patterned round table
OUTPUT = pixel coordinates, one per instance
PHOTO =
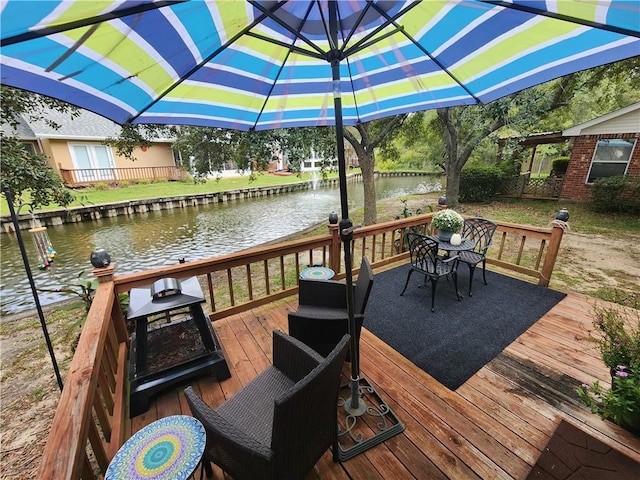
(317, 273)
(169, 448)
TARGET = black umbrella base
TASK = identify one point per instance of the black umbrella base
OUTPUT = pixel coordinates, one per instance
(368, 424)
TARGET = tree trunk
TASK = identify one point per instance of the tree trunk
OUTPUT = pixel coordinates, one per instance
(367, 166)
(370, 137)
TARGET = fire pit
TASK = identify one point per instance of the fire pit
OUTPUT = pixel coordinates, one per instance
(173, 339)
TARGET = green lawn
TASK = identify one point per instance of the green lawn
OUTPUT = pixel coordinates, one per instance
(105, 194)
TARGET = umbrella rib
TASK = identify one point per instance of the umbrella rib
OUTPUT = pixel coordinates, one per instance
(566, 18)
(85, 22)
(296, 33)
(174, 85)
(299, 50)
(273, 85)
(364, 42)
(357, 22)
(427, 53)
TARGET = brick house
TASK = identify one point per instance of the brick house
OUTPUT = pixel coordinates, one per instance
(604, 146)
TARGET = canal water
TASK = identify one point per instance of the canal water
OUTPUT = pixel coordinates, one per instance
(160, 238)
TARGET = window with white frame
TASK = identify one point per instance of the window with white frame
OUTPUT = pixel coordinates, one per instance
(612, 157)
(95, 162)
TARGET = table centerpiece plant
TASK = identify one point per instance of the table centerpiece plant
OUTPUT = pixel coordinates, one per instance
(447, 222)
(617, 336)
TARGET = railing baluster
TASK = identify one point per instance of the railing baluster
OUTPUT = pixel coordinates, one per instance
(503, 239)
(211, 295)
(230, 283)
(249, 283)
(521, 249)
(282, 275)
(540, 253)
(266, 277)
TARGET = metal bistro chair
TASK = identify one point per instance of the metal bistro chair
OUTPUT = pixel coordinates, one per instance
(425, 260)
(481, 231)
(279, 424)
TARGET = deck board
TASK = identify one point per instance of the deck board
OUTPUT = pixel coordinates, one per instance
(493, 426)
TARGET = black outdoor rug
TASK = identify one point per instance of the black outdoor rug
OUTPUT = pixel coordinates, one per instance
(459, 338)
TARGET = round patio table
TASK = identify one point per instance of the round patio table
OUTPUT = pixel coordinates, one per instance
(465, 244)
(317, 273)
(169, 448)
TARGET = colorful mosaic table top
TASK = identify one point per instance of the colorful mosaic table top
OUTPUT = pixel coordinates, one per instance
(169, 448)
(317, 273)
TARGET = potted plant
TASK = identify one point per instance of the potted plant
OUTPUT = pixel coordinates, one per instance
(617, 337)
(447, 222)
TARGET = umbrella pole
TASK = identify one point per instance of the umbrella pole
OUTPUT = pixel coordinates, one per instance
(346, 234)
(34, 291)
(387, 423)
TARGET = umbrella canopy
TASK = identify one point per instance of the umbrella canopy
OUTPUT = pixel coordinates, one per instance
(267, 64)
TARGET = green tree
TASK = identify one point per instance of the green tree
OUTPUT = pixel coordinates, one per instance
(27, 175)
(529, 111)
(365, 138)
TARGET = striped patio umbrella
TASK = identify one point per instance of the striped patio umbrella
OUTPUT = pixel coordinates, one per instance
(276, 64)
(267, 64)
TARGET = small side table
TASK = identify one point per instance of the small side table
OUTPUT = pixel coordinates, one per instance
(317, 273)
(170, 448)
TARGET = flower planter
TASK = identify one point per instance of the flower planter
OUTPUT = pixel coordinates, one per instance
(445, 236)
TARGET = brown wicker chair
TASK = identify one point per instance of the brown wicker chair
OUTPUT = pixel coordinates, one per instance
(281, 423)
(321, 318)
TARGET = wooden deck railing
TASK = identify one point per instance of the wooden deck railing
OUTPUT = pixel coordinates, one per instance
(86, 176)
(92, 411)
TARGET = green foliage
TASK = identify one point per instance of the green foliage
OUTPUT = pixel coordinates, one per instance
(447, 220)
(559, 165)
(407, 212)
(137, 136)
(478, 183)
(83, 288)
(24, 174)
(101, 186)
(210, 150)
(621, 402)
(618, 193)
(29, 178)
(617, 336)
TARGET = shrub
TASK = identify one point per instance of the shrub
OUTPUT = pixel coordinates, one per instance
(618, 193)
(101, 186)
(621, 402)
(479, 183)
(559, 166)
(617, 336)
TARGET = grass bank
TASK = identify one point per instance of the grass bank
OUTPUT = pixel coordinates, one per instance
(106, 193)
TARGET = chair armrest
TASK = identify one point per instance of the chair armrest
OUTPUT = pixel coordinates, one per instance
(223, 434)
(292, 357)
(322, 293)
(448, 259)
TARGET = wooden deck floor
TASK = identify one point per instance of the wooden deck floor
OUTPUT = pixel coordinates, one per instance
(495, 426)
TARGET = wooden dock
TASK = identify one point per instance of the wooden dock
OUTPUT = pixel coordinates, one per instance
(495, 426)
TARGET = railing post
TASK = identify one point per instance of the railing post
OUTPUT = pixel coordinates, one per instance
(552, 252)
(104, 275)
(334, 247)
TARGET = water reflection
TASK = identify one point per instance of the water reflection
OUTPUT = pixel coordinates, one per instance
(161, 238)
